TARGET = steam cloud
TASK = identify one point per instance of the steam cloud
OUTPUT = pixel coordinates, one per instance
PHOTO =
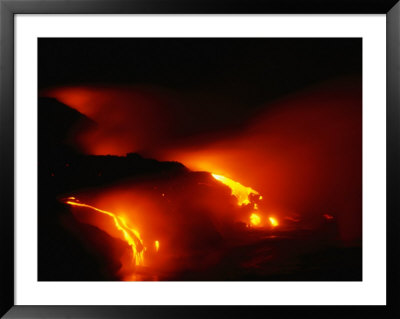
(303, 153)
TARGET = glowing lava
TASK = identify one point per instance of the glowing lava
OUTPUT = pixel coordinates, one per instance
(273, 221)
(255, 219)
(245, 196)
(131, 236)
(242, 193)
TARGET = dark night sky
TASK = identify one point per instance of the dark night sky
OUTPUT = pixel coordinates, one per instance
(243, 72)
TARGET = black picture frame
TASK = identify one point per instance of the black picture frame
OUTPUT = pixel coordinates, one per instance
(8, 10)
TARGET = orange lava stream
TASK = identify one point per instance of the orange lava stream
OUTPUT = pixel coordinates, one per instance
(273, 221)
(131, 236)
(255, 219)
(242, 193)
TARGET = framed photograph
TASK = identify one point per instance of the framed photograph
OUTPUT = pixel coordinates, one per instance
(173, 159)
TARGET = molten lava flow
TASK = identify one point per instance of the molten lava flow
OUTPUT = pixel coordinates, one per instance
(131, 236)
(242, 193)
(255, 219)
(273, 221)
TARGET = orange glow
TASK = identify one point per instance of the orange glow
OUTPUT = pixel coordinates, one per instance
(131, 236)
(126, 117)
(242, 193)
(255, 219)
(274, 222)
(266, 151)
(157, 245)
